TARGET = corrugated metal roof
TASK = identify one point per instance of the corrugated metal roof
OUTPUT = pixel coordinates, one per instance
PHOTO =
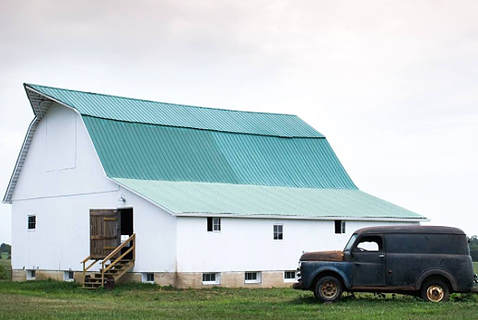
(199, 160)
(143, 111)
(251, 200)
(152, 152)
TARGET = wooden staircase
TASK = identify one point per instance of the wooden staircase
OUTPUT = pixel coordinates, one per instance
(113, 266)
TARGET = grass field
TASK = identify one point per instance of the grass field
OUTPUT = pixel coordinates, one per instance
(475, 264)
(61, 300)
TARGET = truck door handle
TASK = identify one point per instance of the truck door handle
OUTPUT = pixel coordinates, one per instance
(381, 256)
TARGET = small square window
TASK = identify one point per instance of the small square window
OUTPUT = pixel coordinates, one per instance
(32, 222)
(214, 224)
(31, 274)
(289, 276)
(211, 278)
(148, 278)
(252, 277)
(68, 276)
(339, 226)
(278, 232)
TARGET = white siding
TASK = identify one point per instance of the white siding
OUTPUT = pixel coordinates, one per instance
(248, 244)
(61, 194)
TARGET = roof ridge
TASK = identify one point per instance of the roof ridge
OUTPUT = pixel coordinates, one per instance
(31, 85)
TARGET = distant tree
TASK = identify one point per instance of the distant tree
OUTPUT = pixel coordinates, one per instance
(474, 247)
(5, 247)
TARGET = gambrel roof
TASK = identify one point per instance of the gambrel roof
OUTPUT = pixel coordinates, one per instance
(195, 160)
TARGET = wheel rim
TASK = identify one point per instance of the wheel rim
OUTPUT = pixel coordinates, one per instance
(329, 289)
(435, 293)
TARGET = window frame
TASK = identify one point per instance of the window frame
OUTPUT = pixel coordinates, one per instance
(216, 281)
(31, 274)
(214, 224)
(258, 278)
(66, 276)
(290, 279)
(277, 232)
(144, 277)
(381, 245)
(339, 227)
(34, 216)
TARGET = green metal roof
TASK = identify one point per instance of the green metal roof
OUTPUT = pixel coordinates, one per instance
(152, 152)
(252, 200)
(198, 160)
(143, 111)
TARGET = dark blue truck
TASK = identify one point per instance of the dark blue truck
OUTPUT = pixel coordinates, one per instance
(420, 260)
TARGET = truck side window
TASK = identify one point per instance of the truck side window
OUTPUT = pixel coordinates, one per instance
(369, 244)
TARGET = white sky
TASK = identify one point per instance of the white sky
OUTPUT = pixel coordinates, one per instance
(392, 84)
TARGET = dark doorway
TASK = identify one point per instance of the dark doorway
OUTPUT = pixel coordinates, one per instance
(126, 228)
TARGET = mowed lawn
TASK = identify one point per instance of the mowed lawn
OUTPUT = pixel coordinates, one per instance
(61, 300)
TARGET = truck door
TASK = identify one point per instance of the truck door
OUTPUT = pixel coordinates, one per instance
(368, 259)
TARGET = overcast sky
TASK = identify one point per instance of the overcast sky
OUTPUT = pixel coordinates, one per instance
(392, 84)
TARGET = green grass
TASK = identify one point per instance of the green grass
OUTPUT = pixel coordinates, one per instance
(475, 265)
(60, 300)
(5, 267)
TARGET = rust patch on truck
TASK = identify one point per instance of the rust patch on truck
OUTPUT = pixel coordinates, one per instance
(335, 256)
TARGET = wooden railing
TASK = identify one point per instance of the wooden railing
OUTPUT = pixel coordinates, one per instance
(114, 253)
(110, 257)
(89, 266)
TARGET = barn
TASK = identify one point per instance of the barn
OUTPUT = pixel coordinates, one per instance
(108, 188)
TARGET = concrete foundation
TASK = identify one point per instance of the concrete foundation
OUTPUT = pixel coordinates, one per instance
(181, 280)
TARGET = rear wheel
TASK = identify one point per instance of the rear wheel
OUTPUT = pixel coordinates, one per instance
(328, 289)
(435, 290)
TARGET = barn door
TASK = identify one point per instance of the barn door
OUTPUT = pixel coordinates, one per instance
(105, 232)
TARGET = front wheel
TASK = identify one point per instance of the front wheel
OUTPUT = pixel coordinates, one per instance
(328, 289)
(435, 290)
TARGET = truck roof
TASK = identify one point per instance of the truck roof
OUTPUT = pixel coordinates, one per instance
(410, 229)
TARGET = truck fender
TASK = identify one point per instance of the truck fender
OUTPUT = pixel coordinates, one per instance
(436, 272)
(335, 270)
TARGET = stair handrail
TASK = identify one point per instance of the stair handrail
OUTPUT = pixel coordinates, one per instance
(113, 253)
(85, 268)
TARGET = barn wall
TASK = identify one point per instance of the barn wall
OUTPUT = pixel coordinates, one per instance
(248, 245)
(62, 179)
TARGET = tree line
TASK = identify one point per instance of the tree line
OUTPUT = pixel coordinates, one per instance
(474, 247)
(5, 247)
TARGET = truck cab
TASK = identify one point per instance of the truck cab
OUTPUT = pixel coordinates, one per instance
(425, 260)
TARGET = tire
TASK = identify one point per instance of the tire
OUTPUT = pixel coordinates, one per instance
(328, 289)
(435, 290)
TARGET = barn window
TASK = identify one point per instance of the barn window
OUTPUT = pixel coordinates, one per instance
(213, 224)
(148, 277)
(339, 226)
(31, 274)
(252, 277)
(278, 232)
(32, 222)
(289, 276)
(68, 276)
(211, 278)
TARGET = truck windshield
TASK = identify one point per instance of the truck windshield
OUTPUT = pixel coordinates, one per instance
(349, 245)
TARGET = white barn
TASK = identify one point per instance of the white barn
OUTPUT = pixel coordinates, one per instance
(196, 196)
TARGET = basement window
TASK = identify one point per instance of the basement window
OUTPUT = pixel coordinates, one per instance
(211, 278)
(289, 276)
(68, 276)
(339, 226)
(278, 232)
(148, 278)
(32, 222)
(31, 275)
(252, 277)
(213, 224)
